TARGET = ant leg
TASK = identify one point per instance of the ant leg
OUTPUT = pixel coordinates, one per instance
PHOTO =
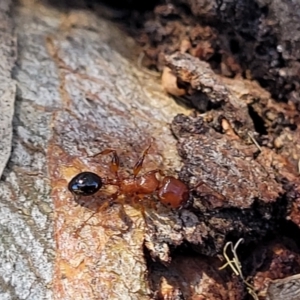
(138, 166)
(115, 161)
(142, 208)
(78, 230)
(105, 205)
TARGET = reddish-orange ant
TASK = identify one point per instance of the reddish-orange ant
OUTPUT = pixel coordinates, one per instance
(169, 190)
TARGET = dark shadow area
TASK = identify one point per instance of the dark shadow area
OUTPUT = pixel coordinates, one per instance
(186, 271)
(245, 34)
(131, 5)
(259, 123)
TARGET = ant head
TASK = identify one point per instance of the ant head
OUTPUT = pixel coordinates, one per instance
(85, 184)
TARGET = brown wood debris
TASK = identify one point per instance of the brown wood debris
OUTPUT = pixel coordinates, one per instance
(81, 89)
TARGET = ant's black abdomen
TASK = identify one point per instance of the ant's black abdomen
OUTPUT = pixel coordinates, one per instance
(85, 184)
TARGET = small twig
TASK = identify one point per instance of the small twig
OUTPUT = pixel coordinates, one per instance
(236, 266)
(254, 141)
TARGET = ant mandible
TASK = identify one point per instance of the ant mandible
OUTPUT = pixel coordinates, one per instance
(169, 190)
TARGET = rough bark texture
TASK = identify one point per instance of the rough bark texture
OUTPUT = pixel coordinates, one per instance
(7, 84)
(74, 80)
(287, 288)
(257, 38)
(80, 89)
(246, 40)
(27, 245)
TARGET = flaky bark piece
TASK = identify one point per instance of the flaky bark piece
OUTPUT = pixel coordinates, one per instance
(234, 193)
(271, 261)
(204, 85)
(223, 166)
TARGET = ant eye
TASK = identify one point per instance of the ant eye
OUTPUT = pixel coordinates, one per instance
(85, 184)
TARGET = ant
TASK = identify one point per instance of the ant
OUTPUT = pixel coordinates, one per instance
(169, 190)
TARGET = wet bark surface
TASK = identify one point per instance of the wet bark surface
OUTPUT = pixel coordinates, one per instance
(82, 87)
